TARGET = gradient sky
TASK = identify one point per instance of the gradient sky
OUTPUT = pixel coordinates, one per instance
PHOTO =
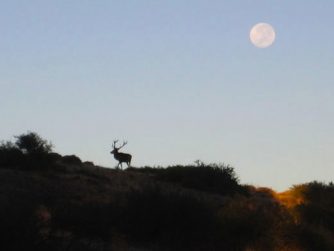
(179, 80)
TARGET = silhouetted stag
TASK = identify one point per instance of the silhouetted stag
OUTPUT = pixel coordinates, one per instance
(121, 157)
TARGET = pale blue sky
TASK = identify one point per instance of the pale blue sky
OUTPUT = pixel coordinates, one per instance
(178, 79)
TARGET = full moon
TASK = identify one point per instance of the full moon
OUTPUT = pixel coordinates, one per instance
(262, 35)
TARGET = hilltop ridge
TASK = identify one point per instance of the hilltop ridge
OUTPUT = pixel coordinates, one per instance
(54, 202)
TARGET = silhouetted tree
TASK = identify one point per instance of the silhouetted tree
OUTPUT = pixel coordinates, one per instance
(31, 143)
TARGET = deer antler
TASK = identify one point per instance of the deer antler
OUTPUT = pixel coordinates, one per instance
(114, 144)
(124, 143)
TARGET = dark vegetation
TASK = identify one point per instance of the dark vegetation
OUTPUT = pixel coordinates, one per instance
(53, 202)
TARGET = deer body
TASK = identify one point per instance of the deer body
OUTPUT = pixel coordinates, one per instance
(121, 157)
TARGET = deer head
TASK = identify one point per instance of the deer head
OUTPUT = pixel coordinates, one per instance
(115, 149)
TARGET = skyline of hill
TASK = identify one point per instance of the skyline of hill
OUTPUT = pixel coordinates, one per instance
(54, 202)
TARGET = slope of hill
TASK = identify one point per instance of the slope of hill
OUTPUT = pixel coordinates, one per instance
(54, 202)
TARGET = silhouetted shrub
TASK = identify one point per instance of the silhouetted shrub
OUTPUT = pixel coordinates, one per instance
(71, 159)
(318, 204)
(10, 155)
(29, 151)
(54, 157)
(88, 163)
(256, 222)
(315, 214)
(213, 178)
